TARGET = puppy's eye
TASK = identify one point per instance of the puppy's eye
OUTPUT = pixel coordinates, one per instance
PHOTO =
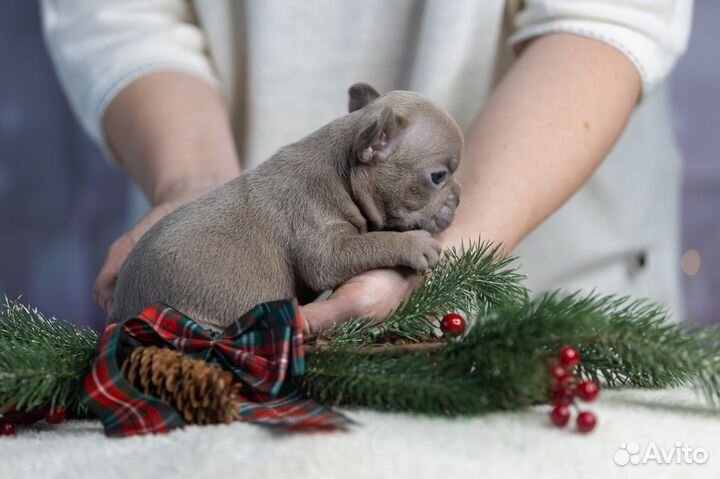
(438, 177)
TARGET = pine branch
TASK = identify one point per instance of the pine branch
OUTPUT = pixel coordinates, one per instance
(502, 362)
(473, 278)
(352, 379)
(622, 342)
(42, 361)
(499, 364)
(422, 382)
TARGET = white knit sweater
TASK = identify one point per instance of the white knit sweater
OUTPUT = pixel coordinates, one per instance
(285, 68)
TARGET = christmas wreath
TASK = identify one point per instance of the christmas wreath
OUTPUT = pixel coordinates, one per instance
(514, 351)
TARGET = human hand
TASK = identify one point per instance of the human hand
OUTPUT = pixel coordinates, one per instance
(171, 133)
(104, 287)
(373, 294)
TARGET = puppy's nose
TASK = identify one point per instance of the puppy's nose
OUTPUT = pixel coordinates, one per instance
(455, 193)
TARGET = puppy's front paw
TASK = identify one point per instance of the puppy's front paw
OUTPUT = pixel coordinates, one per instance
(420, 252)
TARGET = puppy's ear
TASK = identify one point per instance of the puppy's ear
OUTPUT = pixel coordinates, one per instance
(380, 139)
(360, 95)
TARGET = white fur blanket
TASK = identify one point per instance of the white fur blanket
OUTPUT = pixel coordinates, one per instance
(508, 445)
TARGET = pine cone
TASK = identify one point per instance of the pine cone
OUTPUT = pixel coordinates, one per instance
(202, 392)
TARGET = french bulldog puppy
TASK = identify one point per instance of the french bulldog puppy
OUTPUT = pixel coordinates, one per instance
(365, 191)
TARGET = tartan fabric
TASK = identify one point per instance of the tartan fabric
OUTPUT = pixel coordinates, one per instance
(263, 349)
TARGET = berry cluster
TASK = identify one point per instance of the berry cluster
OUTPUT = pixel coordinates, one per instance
(566, 386)
(13, 417)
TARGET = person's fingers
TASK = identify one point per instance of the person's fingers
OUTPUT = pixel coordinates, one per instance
(322, 315)
(372, 294)
(377, 293)
(104, 287)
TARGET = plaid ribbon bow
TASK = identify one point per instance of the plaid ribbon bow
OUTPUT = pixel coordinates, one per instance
(263, 349)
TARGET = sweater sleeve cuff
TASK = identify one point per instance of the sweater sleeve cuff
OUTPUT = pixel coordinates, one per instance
(645, 54)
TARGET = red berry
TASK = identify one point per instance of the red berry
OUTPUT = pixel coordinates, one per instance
(588, 390)
(560, 415)
(562, 396)
(56, 416)
(586, 422)
(569, 357)
(453, 325)
(7, 428)
(559, 374)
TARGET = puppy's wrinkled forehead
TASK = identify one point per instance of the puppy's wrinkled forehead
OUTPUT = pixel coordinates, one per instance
(429, 127)
(403, 126)
(435, 131)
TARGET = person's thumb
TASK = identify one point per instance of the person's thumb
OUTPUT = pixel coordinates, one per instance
(323, 315)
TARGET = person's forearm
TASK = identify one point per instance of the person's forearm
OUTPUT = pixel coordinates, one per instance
(170, 131)
(549, 124)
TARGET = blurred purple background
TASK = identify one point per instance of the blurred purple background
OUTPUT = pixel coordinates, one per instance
(696, 101)
(61, 204)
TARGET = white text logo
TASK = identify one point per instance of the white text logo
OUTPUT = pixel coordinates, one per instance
(631, 453)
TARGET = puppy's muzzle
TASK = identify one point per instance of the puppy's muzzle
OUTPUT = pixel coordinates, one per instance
(447, 211)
